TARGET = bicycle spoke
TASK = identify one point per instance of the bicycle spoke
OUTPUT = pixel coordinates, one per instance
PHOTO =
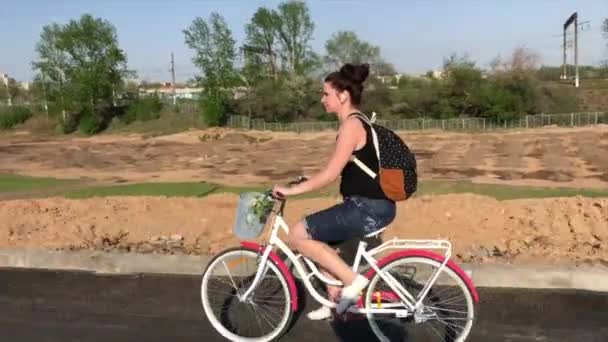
(219, 279)
(442, 291)
(446, 297)
(270, 301)
(229, 294)
(257, 319)
(233, 274)
(449, 325)
(271, 311)
(449, 300)
(264, 315)
(436, 332)
(444, 309)
(229, 275)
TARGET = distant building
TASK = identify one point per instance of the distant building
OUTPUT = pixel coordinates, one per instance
(389, 78)
(166, 92)
(4, 79)
(436, 74)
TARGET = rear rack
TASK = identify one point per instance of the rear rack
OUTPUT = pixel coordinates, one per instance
(396, 243)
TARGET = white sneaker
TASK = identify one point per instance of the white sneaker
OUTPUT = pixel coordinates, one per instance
(321, 313)
(350, 294)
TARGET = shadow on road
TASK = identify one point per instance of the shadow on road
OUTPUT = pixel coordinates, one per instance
(357, 328)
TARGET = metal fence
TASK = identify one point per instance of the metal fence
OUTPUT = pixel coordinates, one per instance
(460, 124)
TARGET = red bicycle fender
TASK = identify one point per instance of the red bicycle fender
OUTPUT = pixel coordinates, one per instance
(427, 254)
(256, 247)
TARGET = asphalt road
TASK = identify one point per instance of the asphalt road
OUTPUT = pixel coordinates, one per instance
(73, 306)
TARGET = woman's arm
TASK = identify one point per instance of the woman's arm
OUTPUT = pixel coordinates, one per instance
(348, 138)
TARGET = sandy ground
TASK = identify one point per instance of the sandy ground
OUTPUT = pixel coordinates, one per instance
(481, 229)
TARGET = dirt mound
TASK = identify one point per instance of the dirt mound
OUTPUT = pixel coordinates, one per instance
(565, 157)
(483, 229)
(480, 229)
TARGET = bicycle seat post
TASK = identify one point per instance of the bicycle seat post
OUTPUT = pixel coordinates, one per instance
(363, 244)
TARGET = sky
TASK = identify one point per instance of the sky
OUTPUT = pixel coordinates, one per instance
(413, 35)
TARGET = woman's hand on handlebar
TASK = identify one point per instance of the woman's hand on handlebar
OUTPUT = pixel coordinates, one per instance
(280, 192)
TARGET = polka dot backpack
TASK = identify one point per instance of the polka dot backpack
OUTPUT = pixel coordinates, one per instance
(398, 178)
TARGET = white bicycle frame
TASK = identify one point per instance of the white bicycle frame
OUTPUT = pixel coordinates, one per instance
(411, 304)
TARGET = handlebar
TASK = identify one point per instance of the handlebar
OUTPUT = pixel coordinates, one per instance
(299, 180)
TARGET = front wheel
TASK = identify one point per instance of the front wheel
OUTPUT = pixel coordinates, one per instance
(264, 316)
(447, 311)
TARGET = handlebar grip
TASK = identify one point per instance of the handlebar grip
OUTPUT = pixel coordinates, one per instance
(298, 181)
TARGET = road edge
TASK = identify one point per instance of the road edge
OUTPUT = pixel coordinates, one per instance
(587, 277)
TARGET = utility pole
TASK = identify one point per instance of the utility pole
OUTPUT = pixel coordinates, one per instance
(565, 65)
(572, 20)
(173, 79)
(576, 51)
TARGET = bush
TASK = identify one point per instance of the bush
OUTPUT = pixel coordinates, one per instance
(495, 102)
(70, 124)
(12, 116)
(143, 109)
(212, 110)
(90, 124)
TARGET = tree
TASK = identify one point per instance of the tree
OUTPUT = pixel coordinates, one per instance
(278, 62)
(51, 63)
(605, 33)
(261, 45)
(456, 61)
(294, 31)
(132, 89)
(288, 99)
(3, 93)
(522, 61)
(15, 90)
(215, 53)
(462, 79)
(383, 68)
(517, 75)
(345, 47)
(37, 91)
(83, 61)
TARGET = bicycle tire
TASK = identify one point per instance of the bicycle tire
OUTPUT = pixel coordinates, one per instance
(453, 274)
(285, 321)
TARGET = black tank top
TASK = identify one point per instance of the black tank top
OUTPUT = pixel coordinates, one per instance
(354, 181)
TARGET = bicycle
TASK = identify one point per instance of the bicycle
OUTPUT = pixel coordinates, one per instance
(269, 293)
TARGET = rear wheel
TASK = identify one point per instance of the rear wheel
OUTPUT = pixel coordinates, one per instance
(448, 309)
(264, 316)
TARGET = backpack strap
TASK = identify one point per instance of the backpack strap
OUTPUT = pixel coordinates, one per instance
(363, 167)
(356, 160)
(364, 117)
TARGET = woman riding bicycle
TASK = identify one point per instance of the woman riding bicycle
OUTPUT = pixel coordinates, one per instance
(364, 209)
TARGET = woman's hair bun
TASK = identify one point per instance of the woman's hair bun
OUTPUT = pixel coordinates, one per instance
(357, 73)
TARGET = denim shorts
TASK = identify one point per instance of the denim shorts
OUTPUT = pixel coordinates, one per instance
(354, 218)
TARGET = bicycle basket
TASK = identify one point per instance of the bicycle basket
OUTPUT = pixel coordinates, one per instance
(252, 214)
